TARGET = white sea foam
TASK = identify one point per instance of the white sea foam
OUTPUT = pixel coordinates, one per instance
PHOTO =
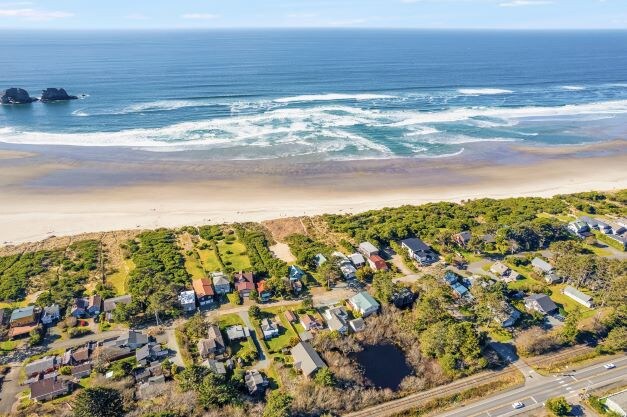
(318, 130)
(164, 105)
(80, 113)
(483, 91)
(332, 97)
(573, 87)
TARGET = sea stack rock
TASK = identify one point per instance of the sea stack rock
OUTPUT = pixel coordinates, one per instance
(56, 94)
(16, 96)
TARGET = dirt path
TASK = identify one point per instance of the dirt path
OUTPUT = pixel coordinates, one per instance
(10, 388)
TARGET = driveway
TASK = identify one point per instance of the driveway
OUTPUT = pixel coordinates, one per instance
(10, 388)
(263, 361)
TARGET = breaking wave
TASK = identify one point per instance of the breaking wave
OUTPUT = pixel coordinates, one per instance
(483, 91)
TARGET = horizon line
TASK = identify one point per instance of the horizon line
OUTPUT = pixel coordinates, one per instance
(348, 28)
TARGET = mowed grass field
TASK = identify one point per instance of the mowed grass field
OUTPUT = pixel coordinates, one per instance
(233, 254)
(194, 266)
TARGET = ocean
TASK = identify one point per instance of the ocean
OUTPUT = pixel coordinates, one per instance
(316, 94)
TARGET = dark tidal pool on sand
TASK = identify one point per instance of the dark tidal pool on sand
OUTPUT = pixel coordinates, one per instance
(384, 365)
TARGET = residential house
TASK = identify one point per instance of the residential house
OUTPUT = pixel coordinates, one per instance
(552, 278)
(50, 314)
(187, 299)
(81, 371)
(541, 303)
(221, 283)
(269, 329)
(358, 260)
(79, 307)
(150, 352)
(578, 228)
(94, 305)
(357, 325)
(460, 291)
(507, 315)
(295, 273)
(23, 316)
(290, 316)
(541, 266)
(297, 286)
(306, 359)
(264, 292)
(41, 366)
(111, 352)
(305, 336)
(621, 240)
(368, 249)
(214, 333)
(348, 271)
(617, 403)
(131, 339)
(462, 238)
(320, 260)
(403, 297)
(76, 356)
(255, 382)
(210, 347)
(336, 319)
(597, 224)
(204, 291)
(377, 263)
(578, 296)
(109, 305)
(309, 323)
(340, 257)
(364, 304)
(419, 251)
(244, 283)
(215, 366)
(237, 332)
(48, 389)
(500, 269)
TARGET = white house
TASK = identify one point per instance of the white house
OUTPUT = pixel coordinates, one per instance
(269, 329)
(187, 300)
(578, 296)
(368, 249)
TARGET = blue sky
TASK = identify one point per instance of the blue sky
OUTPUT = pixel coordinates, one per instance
(192, 14)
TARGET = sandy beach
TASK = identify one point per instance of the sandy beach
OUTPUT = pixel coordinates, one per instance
(67, 191)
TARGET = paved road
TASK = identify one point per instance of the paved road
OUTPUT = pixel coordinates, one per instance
(534, 395)
(10, 388)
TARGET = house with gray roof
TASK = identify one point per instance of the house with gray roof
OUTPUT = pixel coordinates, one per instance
(221, 283)
(41, 366)
(419, 251)
(23, 316)
(306, 359)
(617, 403)
(541, 303)
(368, 249)
(357, 259)
(336, 319)
(541, 266)
(47, 389)
(237, 332)
(50, 314)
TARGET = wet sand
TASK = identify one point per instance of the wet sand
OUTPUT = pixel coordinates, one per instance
(65, 191)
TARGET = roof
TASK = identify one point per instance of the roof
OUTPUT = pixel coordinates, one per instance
(23, 312)
(364, 301)
(244, 285)
(357, 324)
(187, 297)
(541, 264)
(459, 289)
(416, 245)
(20, 330)
(110, 303)
(357, 258)
(499, 268)
(268, 325)
(306, 358)
(132, 337)
(378, 262)
(574, 292)
(619, 398)
(220, 279)
(368, 247)
(261, 286)
(52, 310)
(339, 255)
(290, 316)
(247, 276)
(295, 272)
(214, 333)
(320, 259)
(544, 301)
(202, 287)
(95, 301)
(79, 369)
(237, 332)
(47, 387)
(40, 365)
(464, 236)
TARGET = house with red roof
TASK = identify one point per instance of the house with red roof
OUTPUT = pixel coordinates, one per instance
(377, 263)
(203, 290)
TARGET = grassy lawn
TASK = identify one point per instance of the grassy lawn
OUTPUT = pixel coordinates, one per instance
(567, 303)
(286, 332)
(118, 280)
(15, 305)
(193, 266)
(229, 320)
(237, 258)
(208, 258)
(8, 345)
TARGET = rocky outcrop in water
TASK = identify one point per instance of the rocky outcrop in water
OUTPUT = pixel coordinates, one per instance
(56, 94)
(16, 96)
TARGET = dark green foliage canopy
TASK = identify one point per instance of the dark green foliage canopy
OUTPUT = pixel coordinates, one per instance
(98, 402)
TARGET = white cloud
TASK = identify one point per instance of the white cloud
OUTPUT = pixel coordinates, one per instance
(521, 3)
(34, 14)
(199, 16)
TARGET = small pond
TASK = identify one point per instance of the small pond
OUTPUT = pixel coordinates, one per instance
(384, 365)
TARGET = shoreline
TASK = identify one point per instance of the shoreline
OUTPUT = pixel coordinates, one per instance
(46, 195)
